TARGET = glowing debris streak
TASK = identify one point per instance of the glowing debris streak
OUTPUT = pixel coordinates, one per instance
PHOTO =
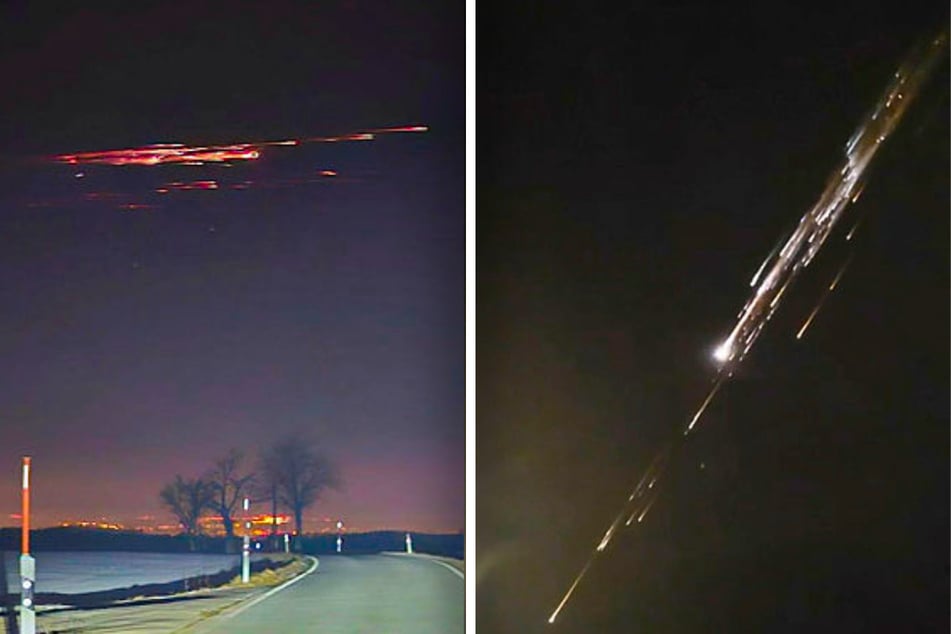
(554, 615)
(703, 406)
(845, 184)
(646, 509)
(825, 294)
(769, 258)
(812, 316)
(858, 194)
(189, 186)
(851, 232)
(404, 128)
(181, 154)
(838, 276)
(800, 247)
(164, 154)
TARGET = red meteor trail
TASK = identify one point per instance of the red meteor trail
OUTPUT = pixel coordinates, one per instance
(163, 154)
(405, 128)
(193, 185)
(180, 154)
(225, 155)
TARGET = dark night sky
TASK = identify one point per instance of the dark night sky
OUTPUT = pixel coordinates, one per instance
(633, 168)
(137, 345)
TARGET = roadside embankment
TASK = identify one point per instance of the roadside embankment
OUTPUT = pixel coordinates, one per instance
(176, 607)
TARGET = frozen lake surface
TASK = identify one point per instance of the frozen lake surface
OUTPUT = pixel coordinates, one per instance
(78, 572)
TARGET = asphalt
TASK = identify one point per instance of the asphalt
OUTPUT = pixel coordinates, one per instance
(356, 595)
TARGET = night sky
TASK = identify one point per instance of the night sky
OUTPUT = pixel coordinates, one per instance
(634, 167)
(146, 341)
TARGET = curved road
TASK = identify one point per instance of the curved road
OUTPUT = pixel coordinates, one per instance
(355, 595)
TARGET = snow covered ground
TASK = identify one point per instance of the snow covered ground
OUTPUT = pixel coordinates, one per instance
(77, 572)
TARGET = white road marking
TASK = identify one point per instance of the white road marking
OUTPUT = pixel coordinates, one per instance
(451, 569)
(273, 591)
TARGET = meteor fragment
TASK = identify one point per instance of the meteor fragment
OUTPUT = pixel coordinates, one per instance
(825, 294)
(181, 154)
(777, 272)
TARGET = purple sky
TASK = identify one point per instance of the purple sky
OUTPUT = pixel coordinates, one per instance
(141, 344)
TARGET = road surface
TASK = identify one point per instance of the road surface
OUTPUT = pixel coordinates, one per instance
(357, 595)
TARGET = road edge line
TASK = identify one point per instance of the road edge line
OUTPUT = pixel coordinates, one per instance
(272, 591)
(449, 568)
(455, 571)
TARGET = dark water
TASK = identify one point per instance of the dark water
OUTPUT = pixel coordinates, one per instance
(78, 572)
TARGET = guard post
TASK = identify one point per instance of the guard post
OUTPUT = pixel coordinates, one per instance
(27, 563)
(246, 545)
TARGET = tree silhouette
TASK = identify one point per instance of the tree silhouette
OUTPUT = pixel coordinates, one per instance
(188, 499)
(299, 473)
(266, 487)
(229, 486)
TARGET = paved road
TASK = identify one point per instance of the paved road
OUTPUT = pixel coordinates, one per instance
(368, 594)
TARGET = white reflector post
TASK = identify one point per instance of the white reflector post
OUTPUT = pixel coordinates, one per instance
(27, 583)
(246, 546)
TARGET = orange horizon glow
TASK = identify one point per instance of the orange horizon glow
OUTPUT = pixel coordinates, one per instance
(159, 526)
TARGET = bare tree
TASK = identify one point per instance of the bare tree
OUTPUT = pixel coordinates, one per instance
(299, 473)
(266, 485)
(188, 499)
(229, 485)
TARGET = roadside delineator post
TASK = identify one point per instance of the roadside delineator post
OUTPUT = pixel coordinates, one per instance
(246, 545)
(409, 544)
(27, 563)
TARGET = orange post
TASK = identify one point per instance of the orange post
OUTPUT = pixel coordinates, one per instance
(25, 541)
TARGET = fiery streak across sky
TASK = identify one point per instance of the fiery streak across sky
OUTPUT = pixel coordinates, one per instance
(783, 264)
(161, 155)
(177, 153)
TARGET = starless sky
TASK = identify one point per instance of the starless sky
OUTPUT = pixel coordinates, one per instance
(142, 343)
(635, 164)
